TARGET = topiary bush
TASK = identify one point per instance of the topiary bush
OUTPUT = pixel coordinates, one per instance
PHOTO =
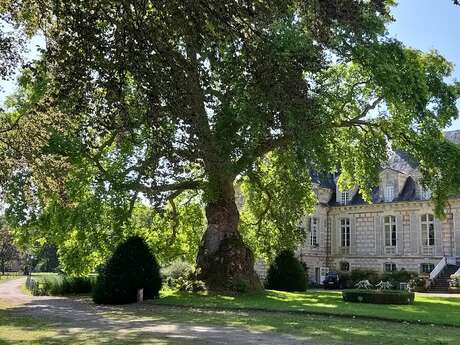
(131, 267)
(378, 296)
(286, 273)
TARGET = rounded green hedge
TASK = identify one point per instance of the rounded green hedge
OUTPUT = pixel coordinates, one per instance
(286, 273)
(131, 267)
(378, 296)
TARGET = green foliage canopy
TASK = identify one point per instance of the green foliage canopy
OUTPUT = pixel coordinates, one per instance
(148, 100)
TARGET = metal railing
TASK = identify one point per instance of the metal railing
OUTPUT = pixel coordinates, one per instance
(438, 269)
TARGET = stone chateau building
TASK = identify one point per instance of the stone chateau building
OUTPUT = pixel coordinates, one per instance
(398, 230)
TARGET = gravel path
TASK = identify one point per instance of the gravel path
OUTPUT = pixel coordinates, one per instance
(83, 315)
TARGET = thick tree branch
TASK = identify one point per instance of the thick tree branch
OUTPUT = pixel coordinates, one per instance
(172, 187)
(13, 126)
(358, 120)
(261, 149)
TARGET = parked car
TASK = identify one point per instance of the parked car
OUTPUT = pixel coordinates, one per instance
(332, 281)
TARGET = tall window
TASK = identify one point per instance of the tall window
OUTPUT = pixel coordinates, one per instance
(344, 198)
(314, 224)
(388, 193)
(427, 226)
(390, 231)
(345, 232)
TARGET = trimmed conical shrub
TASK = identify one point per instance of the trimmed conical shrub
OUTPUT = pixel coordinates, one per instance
(286, 273)
(131, 267)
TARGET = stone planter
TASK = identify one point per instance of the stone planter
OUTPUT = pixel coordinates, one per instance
(454, 290)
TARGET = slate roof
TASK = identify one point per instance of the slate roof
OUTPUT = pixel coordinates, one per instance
(453, 136)
(399, 161)
(408, 192)
(324, 180)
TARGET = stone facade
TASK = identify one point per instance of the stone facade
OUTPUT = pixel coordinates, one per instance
(397, 230)
(381, 236)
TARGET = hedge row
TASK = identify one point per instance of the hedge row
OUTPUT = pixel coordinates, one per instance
(60, 285)
(378, 296)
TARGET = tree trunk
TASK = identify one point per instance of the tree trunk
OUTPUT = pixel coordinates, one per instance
(224, 262)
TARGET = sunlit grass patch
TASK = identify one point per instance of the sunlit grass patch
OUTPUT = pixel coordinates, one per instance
(426, 309)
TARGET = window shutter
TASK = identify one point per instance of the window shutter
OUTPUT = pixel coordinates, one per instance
(438, 237)
(399, 236)
(335, 238)
(378, 235)
(353, 237)
(457, 233)
(415, 233)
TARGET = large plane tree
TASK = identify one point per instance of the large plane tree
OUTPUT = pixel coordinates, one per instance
(148, 100)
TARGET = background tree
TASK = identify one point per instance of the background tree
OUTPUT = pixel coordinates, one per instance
(46, 258)
(8, 251)
(144, 100)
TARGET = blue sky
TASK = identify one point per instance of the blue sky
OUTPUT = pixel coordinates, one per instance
(421, 24)
(430, 24)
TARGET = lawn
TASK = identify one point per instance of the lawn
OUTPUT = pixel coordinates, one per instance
(24, 330)
(426, 309)
(317, 329)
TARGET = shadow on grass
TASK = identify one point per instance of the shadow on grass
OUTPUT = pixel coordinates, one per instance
(330, 329)
(426, 309)
(78, 320)
(16, 329)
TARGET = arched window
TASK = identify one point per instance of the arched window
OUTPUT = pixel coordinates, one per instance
(345, 266)
(427, 228)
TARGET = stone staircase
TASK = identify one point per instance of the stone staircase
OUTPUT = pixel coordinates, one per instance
(441, 283)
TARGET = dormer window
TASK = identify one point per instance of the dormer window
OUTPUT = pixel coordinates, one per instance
(388, 194)
(425, 194)
(344, 198)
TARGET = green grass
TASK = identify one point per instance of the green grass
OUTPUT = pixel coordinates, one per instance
(41, 276)
(316, 329)
(426, 309)
(25, 330)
